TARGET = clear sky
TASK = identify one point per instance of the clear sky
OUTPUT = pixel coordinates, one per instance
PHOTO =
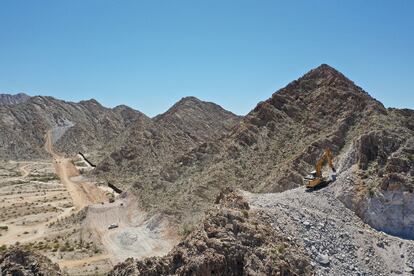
(149, 54)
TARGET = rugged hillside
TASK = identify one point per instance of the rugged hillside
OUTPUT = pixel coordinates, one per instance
(21, 262)
(278, 143)
(84, 126)
(377, 175)
(7, 99)
(230, 241)
(146, 148)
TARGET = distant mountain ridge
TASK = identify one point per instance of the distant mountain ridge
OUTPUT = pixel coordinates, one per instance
(83, 126)
(89, 127)
(8, 99)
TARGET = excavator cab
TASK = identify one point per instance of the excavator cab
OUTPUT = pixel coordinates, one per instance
(315, 179)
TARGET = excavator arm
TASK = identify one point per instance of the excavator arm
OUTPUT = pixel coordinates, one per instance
(319, 179)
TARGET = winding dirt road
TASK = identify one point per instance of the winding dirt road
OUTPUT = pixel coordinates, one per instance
(83, 193)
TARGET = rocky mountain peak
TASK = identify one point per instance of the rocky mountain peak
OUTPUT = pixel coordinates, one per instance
(189, 99)
(323, 94)
(189, 107)
(324, 71)
(184, 105)
(323, 77)
(91, 102)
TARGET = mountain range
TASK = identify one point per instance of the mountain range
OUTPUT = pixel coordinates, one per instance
(179, 162)
(186, 155)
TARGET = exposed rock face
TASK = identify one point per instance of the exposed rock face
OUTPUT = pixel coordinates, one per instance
(147, 147)
(379, 185)
(7, 99)
(83, 126)
(230, 241)
(19, 262)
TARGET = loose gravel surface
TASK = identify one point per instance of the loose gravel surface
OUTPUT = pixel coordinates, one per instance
(338, 241)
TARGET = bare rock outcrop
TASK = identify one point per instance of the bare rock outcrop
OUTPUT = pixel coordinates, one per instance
(20, 262)
(378, 185)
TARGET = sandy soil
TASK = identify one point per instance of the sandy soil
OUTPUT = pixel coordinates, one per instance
(29, 206)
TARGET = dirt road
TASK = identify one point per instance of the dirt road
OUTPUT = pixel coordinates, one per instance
(83, 193)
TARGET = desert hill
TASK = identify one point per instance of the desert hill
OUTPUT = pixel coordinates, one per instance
(146, 148)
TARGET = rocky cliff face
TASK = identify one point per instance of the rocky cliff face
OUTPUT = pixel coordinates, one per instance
(231, 240)
(376, 177)
(7, 99)
(17, 261)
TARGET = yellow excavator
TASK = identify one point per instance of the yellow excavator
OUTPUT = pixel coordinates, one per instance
(316, 179)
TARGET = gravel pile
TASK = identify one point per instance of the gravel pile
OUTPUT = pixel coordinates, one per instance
(338, 241)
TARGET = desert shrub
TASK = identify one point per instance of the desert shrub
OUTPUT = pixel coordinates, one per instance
(186, 229)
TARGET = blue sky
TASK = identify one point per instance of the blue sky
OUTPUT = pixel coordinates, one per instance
(149, 54)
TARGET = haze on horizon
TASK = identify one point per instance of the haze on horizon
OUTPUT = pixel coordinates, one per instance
(237, 53)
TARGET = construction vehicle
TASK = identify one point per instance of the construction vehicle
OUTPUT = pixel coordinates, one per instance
(316, 179)
(113, 226)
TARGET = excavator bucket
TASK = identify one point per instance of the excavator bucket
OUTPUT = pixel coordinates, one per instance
(317, 183)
